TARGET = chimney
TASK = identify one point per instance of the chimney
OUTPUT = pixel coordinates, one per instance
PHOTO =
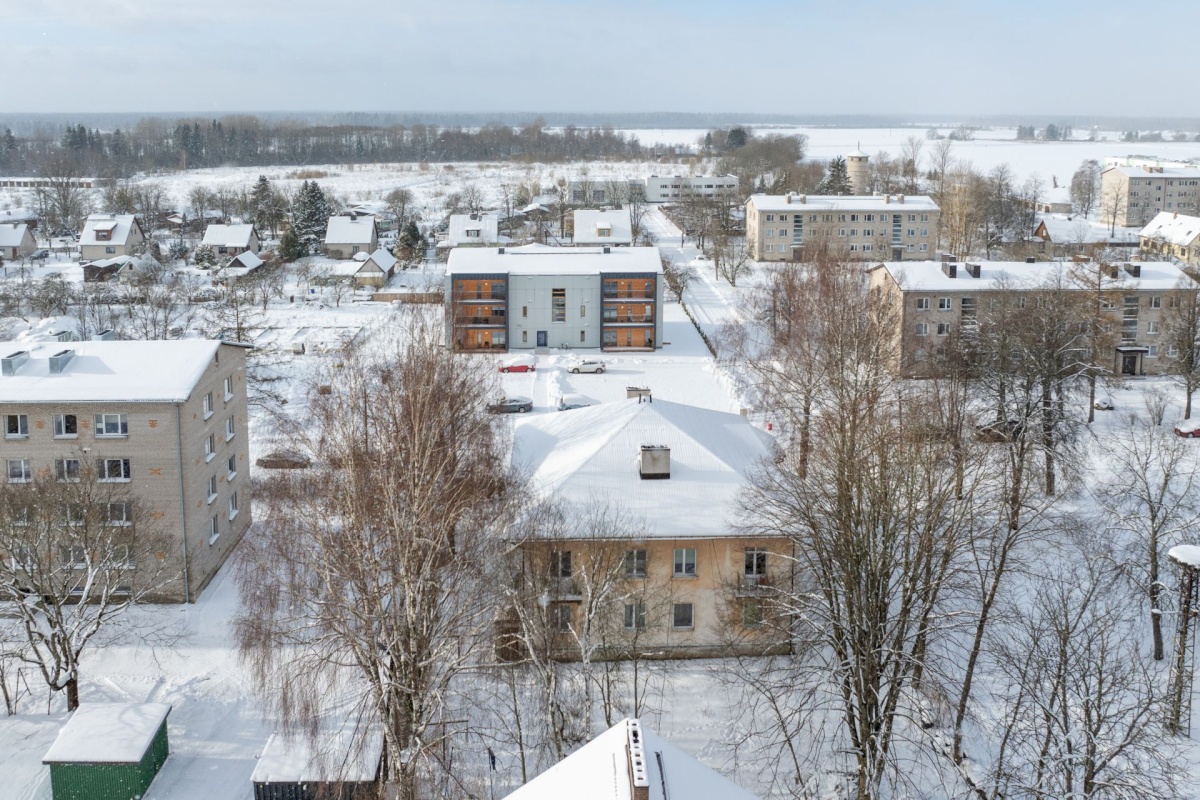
(1030, 260)
(13, 362)
(500, 251)
(1111, 271)
(973, 270)
(607, 249)
(887, 200)
(950, 269)
(803, 199)
(639, 769)
(59, 361)
(106, 335)
(900, 199)
(655, 463)
(789, 198)
(1134, 270)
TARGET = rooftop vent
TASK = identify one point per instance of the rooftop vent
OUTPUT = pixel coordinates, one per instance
(607, 249)
(950, 269)
(12, 362)
(639, 773)
(1030, 260)
(500, 250)
(973, 270)
(59, 361)
(655, 464)
(106, 335)
(1134, 270)
(63, 336)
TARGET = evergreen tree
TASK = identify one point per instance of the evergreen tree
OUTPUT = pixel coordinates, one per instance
(290, 248)
(735, 138)
(260, 203)
(310, 216)
(837, 180)
(410, 244)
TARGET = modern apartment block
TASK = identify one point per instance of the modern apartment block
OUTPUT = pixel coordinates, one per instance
(166, 417)
(935, 301)
(787, 227)
(665, 188)
(535, 296)
(1133, 196)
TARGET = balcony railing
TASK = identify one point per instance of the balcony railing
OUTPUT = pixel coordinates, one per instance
(492, 295)
(754, 584)
(471, 347)
(468, 320)
(629, 294)
(639, 319)
(563, 588)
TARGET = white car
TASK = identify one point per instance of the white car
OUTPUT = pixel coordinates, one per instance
(586, 365)
(570, 401)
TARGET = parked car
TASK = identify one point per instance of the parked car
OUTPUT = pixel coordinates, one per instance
(1188, 429)
(570, 401)
(1104, 404)
(520, 364)
(1001, 430)
(512, 405)
(586, 365)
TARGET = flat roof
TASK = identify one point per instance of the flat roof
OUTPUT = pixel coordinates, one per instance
(107, 733)
(537, 259)
(896, 203)
(336, 755)
(916, 276)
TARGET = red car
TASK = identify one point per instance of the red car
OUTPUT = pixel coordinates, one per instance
(1189, 429)
(520, 364)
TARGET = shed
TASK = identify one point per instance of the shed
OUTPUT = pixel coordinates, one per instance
(337, 766)
(109, 751)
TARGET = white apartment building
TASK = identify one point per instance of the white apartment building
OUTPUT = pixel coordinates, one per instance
(1133, 196)
(867, 227)
(665, 188)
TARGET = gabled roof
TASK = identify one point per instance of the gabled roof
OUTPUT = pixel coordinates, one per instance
(1176, 229)
(107, 733)
(119, 224)
(228, 235)
(593, 452)
(242, 264)
(487, 225)
(601, 770)
(928, 276)
(1078, 229)
(13, 235)
(588, 221)
(383, 259)
(18, 215)
(893, 204)
(350, 230)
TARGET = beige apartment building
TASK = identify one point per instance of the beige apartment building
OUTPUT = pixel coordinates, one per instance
(792, 227)
(1173, 235)
(168, 418)
(1131, 196)
(652, 563)
(935, 301)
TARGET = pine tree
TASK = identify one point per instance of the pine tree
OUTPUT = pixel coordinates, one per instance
(290, 248)
(310, 216)
(837, 181)
(410, 244)
(260, 201)
(735, 138)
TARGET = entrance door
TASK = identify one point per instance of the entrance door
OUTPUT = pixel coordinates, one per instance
(1128, 364)
(541, 338)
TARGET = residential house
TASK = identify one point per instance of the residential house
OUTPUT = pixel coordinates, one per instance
(680, 581)
(519, 298)
(1173, 235)
(108, 235)
(373, 270)
(19, 215)
(1067, 235)
(231, 240)
(859, 227)
(240, 266)
(168, 416)
(1131, 196)
(472, 230)
(630, 762)
(386, 221)
(350, 234)
(597, 228)
(16, 241)
(937, 301)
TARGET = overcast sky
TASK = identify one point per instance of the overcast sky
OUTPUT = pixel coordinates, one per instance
(778, 56)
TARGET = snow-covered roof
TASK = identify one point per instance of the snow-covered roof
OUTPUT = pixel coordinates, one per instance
(242, 264)
(158, 371)
(1188, 554)
(1158, 172)
(383, 259)
(486, 228)
(895, 204)
(338, 755)
(588, 221)
(18, 215)
(115, 261)
(607, 767)
(857, 153)
(228, 235)
(12, 235)
(107, 733)
(1173, 228)
(350, 230)
(594, 452)
(928, 276)
(540, 259)
(1078, 229)
(119, 224)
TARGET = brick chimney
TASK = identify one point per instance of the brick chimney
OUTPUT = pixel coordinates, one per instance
(950, 269)
(638, 766)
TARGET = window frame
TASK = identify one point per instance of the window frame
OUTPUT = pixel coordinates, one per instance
(691, 614)
(636, 563)
(60, 426)
(100, 425)
(681, 562)
(21, 426)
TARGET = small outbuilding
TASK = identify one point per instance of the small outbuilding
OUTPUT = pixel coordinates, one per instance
(336, 766)
(109, 751)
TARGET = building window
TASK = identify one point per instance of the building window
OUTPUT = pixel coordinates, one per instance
(214, 530)
(233, 505)
(685, 562)
(67, 470)
(208, 405)
(558, 305)
(118, 513)
(582, 312)
(231, 468)
(945, 303)
(210, 447)
(73, 556)
(66, 426)
(582, 337)
(560, 617)
(752, 613)
(683, 616)
(113, 470)
(943, 329)
(755, 562)
(19, 470)
(1153, 351)
(525, 312)
(635, 616)
(16, 426)
(229, 429)
(770, 233)
(635, 563)
(1156, 301)
(922, 304)
(111, 425)
(524, 337)
(229, 388)
(72, 514)
(770, 217)
(1152, 328)
(560, 563)
(922, 329)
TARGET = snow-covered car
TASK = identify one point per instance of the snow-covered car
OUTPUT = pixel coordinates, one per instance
(570, 401)
(512, 405)
(1188, 429)
(1104, 404)
(520, 364)
(1001, 430)
(586, 365)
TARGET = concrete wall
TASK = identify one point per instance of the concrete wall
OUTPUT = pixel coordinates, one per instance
(530, 306)
(861, 238)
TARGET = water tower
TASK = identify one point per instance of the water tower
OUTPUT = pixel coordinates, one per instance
(856, 170)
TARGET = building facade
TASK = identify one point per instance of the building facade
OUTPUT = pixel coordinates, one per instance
(934, 302)
(1133, 196)
(534, 296)
(169, 418)
(347, 235)
(16, 241)
(1173, 235)
(669, 188)
(108, 235)
(792, 227)
(592, 228)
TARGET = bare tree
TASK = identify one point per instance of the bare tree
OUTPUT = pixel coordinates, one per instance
(1112, 207)
(731, 258)
(63, 200)
(1085, 187)
(1181, 339)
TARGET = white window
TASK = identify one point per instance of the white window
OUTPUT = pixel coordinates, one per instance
(1153, 351)
(770, 233)
(560, 564)
(841, 231)
(24, 557)
(783, 233)
(922, 304)
(1152, 328)
(752, 613)
(67, 470)
(853, 248)
(233, 505)
(924, 247)
(560, 617)
(685, 562)
(635, 563)
(74, 556)
(16, 426)
(924, 218)
(1172, 350)
(208, 405)
(19, 470)
(119, 513)
(111, 425)
(231, 468)
(635, 616)
(755, 562)
(945, 304)
(770, 248)
(922, 329)
(770, 217)
(783, 217)
(943, 329)
(912, 232)
(683, 616)
(1156, 301)
(229, 387)
(66, 426)
(113, 470)
(72, 514)
(866, 248)
(229, 431)
(214, 530)
(212, 488)
(210, 447)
